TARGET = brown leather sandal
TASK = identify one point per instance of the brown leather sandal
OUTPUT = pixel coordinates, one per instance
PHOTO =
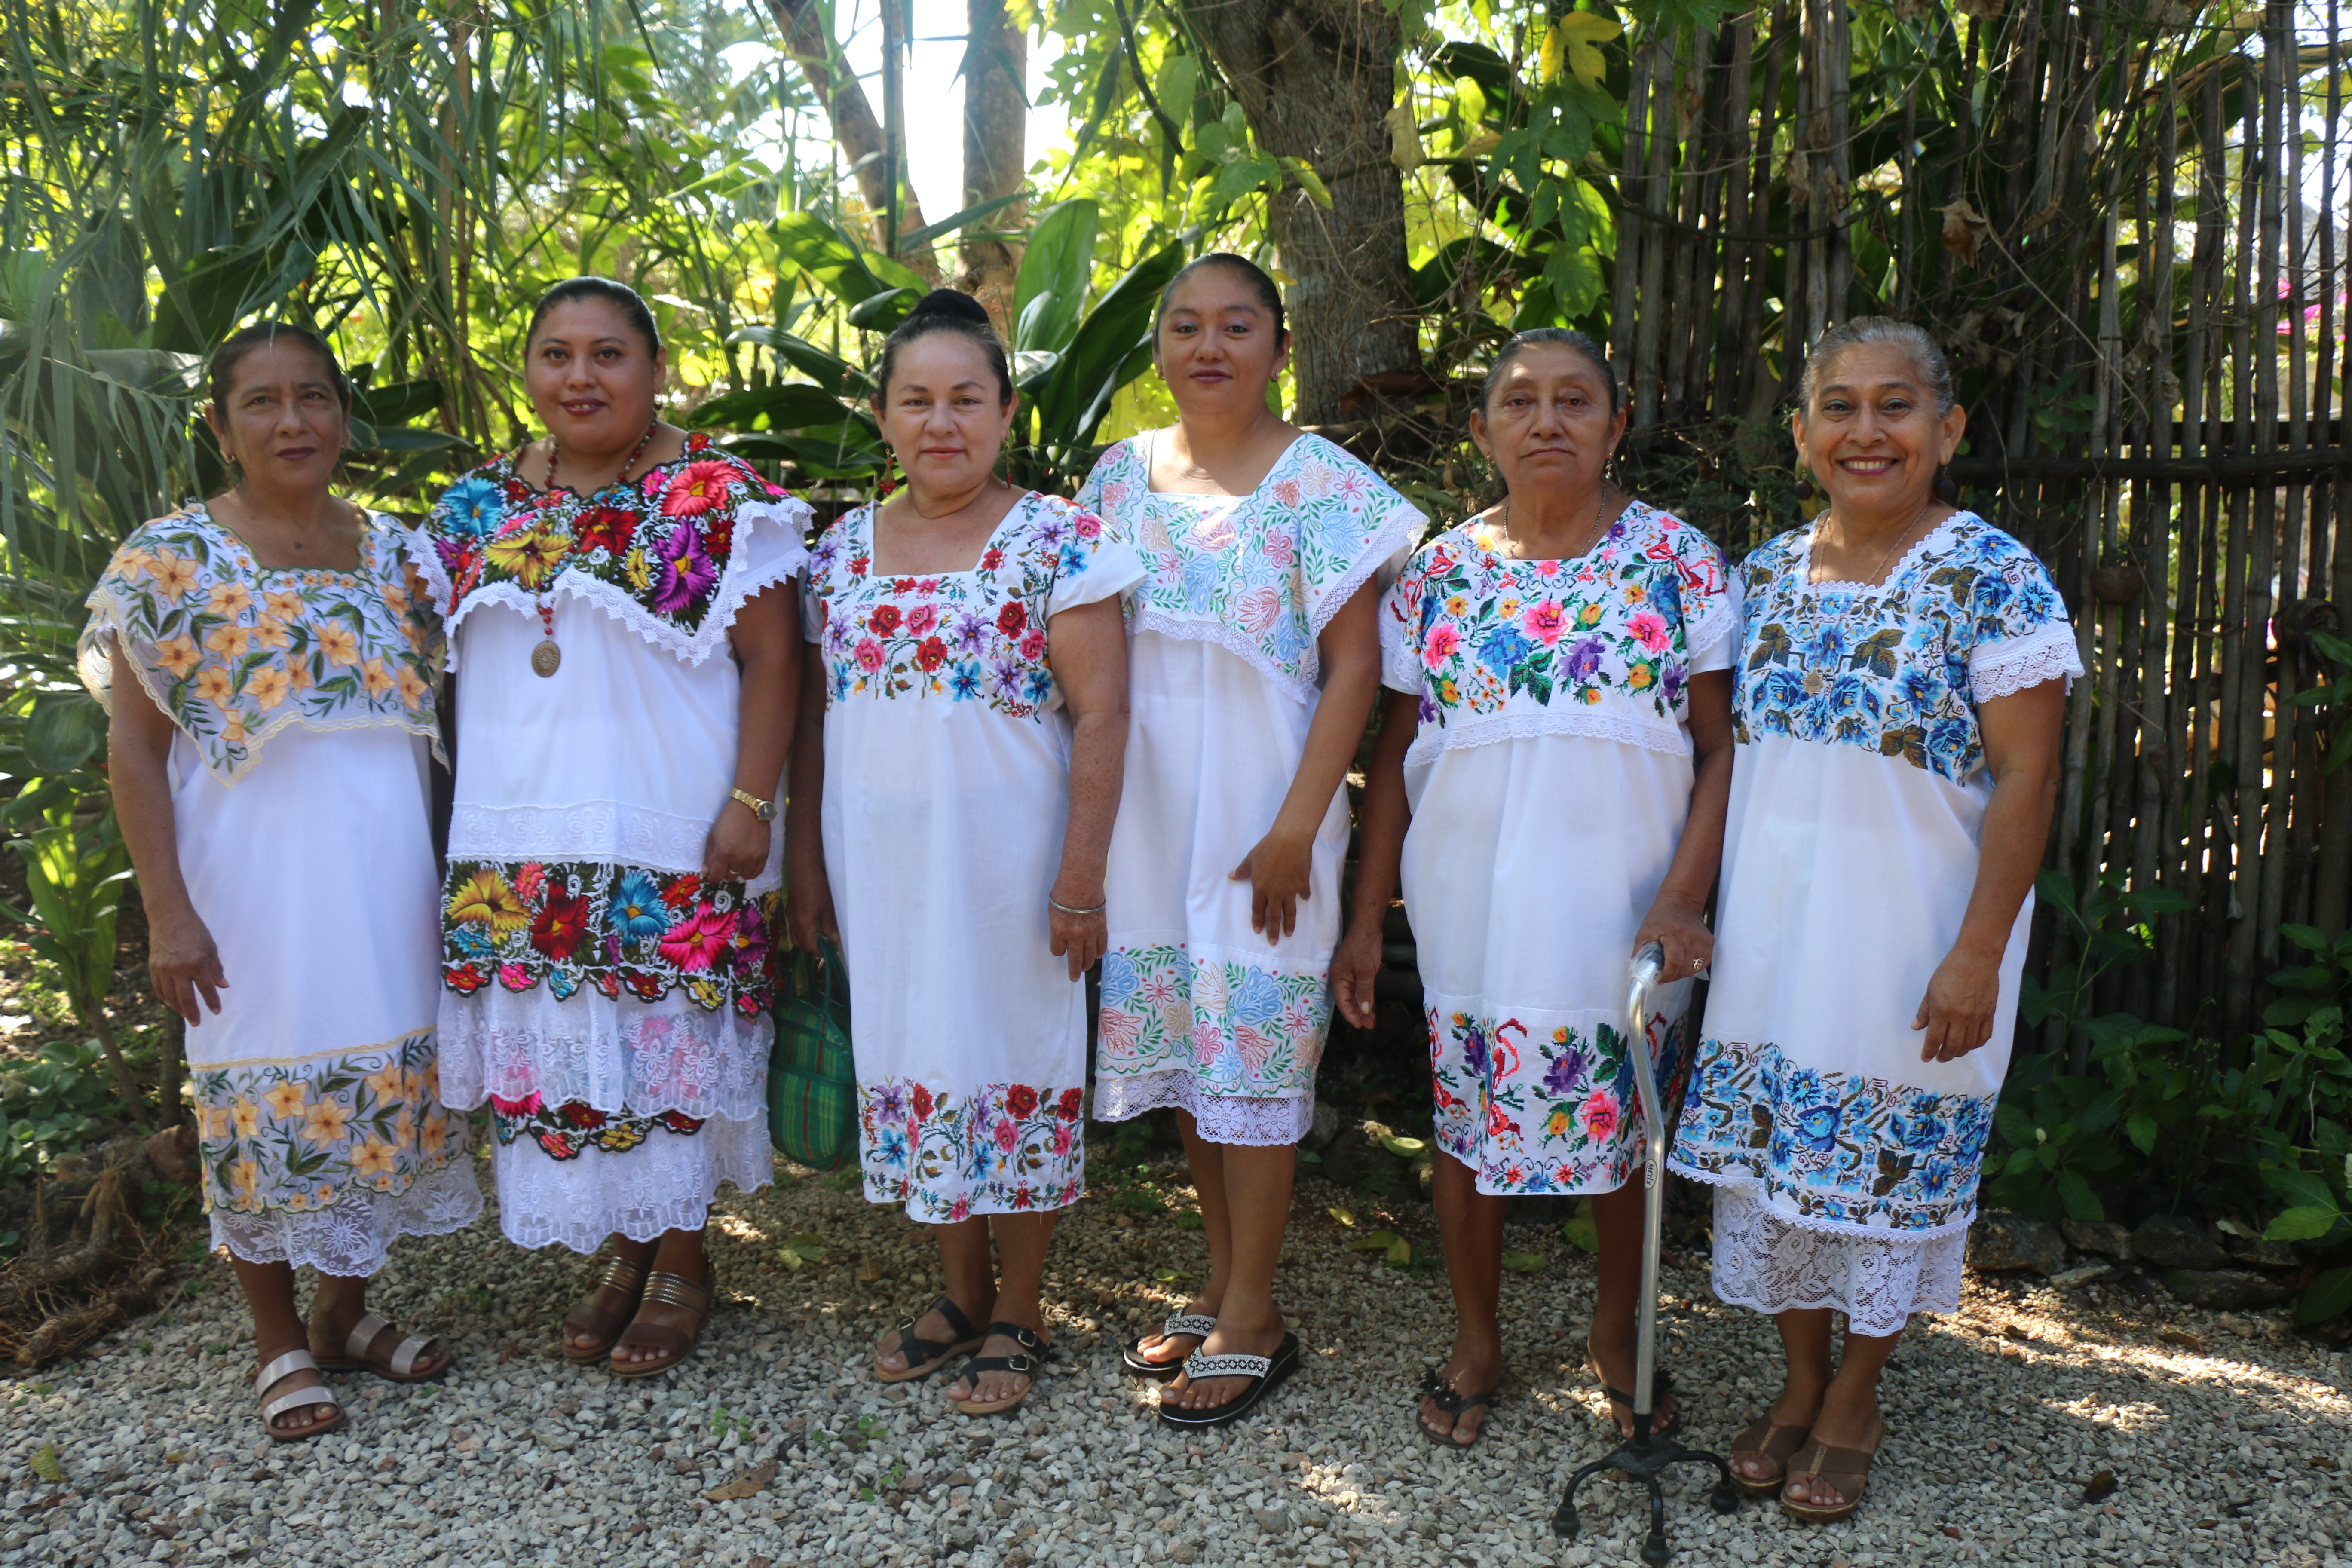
(606, 1324)
(1845, 1469)
(1768, 1439)
(664, 1288)
(397, 1365)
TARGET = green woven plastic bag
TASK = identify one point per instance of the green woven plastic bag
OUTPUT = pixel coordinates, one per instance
(812, 1077)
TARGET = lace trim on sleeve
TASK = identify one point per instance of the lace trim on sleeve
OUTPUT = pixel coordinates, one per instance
(1650, 735)
(2001, 669)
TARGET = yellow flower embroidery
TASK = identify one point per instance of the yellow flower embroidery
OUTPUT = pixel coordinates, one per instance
(229, 642)
(375, 678)
(287, 1099)
(403, 1128)
(283, 606)
(269, 685)
(322, 1122)
(173, 575)
(531, 557)
(245, 1179)
(233, 730)
(436, 1135)
(1590, 616)
(246, 1116)
(177, 655)
(391, 1083)
(412, 688)
(298, 670)
(270, 632)
(338, 643)
(373, 1158)
(396, 598)
(486, 898)
(228, 599)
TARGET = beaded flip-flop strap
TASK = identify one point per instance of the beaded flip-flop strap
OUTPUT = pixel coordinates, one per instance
(1232, 1364)
(1192, 1325)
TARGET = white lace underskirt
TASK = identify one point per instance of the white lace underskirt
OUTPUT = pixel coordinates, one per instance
(1259, 1122)
(667, 1183)
(1764, 1262)
(351, 1238)
(644, 1058)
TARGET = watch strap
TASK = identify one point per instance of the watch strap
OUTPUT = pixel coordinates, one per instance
(765, 810)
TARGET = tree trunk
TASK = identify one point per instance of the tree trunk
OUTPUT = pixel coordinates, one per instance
(854, 125)
(995, 153)
(1315, 79)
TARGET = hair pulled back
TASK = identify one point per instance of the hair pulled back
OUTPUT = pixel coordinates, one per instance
(946, 311)
(1534, 337)
(620, 296)
(1269, 297)
(1935, 370)
(221, 370)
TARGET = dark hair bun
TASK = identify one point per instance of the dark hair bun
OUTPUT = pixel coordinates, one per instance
(952, 303)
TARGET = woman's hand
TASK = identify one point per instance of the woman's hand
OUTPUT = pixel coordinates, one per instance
(183, 963)
(1679, 929)
(1355, 971)
(1956, 1011)
(1276, 871)
(808, 906)
(1081, 939)
(736, 849)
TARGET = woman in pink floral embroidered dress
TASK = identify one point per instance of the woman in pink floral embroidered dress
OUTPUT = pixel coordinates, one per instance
(1558, 738)
(620, 610)
(953, 782)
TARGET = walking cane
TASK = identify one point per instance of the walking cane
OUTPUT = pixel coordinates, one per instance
(1644, 1456)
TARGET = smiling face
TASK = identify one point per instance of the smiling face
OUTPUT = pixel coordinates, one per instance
(1548, 424)
(592, 378)
(1871, 436)
(944, 412)
(282, 422)
(1217, 346)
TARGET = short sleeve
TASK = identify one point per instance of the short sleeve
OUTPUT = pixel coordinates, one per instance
(812, 611)
(1400, 632)
(2020, 636)
(1366, 539)
(1092, 570)
(1710, 606)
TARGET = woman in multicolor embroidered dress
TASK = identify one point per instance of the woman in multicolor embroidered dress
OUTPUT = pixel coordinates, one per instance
(289, 897)
(620, 616)
(1559, 737)
(953, 782)
(1901, 684)
(1254, 663)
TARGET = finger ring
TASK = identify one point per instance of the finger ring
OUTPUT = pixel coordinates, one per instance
(1698, 963)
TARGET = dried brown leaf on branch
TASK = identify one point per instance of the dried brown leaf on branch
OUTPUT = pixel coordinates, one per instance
(1964, 230)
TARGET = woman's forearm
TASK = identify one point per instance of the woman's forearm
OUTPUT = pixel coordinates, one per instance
(2008, 857)
(1332, 737)
(1097, 769)
(804, 788)
(1379, 850)
(1698, 857)
(138, 767)
(769, 704)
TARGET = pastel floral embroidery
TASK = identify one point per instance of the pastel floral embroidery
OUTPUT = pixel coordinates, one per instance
(301, 1135)
(1245, 1029)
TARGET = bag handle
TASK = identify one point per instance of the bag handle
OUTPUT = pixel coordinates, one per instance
(836, 971)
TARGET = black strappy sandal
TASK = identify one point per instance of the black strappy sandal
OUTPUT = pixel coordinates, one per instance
(1033, 1354)
(1661, 1386)
(925, 1357)
(1453, 1404)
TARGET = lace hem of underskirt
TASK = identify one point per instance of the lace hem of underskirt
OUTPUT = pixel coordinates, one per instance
(617, 1055)
(667, 1183)
(352, 1237)
(1764, 1263)
(1262, 1123)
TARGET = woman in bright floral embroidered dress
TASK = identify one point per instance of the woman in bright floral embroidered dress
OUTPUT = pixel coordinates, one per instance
(620, 609)
(1255, 660)
(954, 783)
(1557, 737)
(1901, 687)
(269, 662)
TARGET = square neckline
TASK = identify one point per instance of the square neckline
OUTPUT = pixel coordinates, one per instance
(356, 576)
(1151, 446)
(873, 511)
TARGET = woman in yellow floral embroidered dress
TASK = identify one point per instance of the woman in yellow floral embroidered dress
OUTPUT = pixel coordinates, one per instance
(290, 897)
(621, 624)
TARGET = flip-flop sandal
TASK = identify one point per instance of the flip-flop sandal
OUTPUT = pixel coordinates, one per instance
(1267, 1371)
(1661, 1386)
(925, 1357)
(1846, 1469)
(664, 1288)
(399, 1367)
(1180, 1325)
(1033, 1352)
(605, 1324)
(1455, 1404)
(1767, 1440)
(277, 1371)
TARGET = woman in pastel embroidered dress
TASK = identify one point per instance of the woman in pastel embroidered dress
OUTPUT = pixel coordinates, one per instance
(620, 609)
(1901, 686)
(268, 661)
(1253, 669)
(952, 787)
(1557, 737)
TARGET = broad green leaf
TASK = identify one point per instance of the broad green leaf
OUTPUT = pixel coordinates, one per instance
(2330, 1295)
(1579, 1229)
(1523, 1262)
(786, 405)
(2082, 1203)
(1243, 175)
(1373, 1241)
(1049, 296)
(1341, 1215)
(1399, 1254)
(1588, 27)
(1405, 1148)
(2308, 1224)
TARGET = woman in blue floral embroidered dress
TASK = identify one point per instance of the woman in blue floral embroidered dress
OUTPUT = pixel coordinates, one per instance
(269, 662)
(954, 783)
(1254, 663)
(1901, 686)
(620, 608)
(1558, 735)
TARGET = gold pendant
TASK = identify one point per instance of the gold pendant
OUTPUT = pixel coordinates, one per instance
(545, 657)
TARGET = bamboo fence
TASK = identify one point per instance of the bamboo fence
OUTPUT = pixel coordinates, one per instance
(2126, 224)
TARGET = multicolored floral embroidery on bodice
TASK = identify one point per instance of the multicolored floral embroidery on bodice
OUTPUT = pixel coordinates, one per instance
(966, 636)
(233, 652)
(1600, 645)
(1261, 574)
(653, 552)
(1889, 669)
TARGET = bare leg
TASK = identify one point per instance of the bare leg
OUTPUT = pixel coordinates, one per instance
(1848, 1408)
(1472, 1223)
(970, 1276)
(1805, 1342)
(336, 1311)
(679, 1252)
(638, 1252)
(1022, 1241)
(1257, 1183)
(1208, 1163)
(1615, 1346)
(277, 1329)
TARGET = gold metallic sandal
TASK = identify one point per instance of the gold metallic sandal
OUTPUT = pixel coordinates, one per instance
(664, 1288)
(606, 1324)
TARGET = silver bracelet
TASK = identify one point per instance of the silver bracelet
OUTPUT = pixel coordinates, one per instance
(1067, 910)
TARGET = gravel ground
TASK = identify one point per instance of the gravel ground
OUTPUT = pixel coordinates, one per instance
(2227, 1440)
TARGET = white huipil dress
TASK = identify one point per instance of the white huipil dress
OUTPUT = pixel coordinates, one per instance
(613, 1008)
(322, 1134)
(1200, 1012)
(947, 781)
(1550, 780)
(1845, 1168)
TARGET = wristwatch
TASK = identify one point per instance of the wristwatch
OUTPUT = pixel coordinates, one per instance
(765, 810)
